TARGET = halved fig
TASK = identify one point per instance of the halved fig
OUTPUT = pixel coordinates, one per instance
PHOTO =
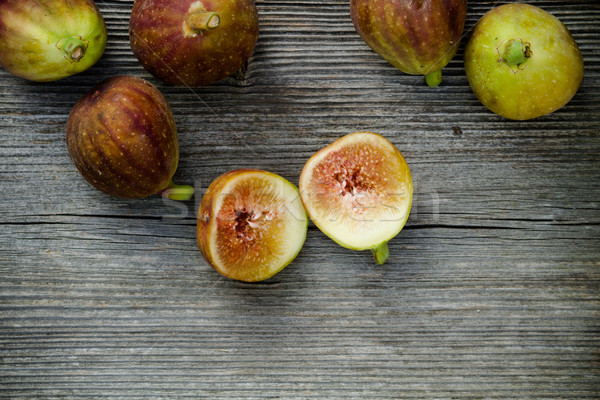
(251, 224)
(358, 191)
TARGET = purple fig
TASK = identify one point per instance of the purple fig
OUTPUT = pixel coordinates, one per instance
(122, 138)
(46, 40)
(419, 37)
(193, 42)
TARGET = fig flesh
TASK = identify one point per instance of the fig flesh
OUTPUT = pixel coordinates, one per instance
(522, 62)
(419, 37)
(251, 224)
(122, 138)
(358, 191)
(193, 42)
(47, 40)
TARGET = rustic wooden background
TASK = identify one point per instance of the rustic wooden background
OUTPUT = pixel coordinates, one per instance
(492, 289)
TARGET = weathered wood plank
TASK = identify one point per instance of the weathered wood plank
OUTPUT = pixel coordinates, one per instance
(492, 289)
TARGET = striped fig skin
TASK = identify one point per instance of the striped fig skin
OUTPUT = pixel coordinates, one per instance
(32, 35)
(416, 36)
(122, 138)
(175, 54)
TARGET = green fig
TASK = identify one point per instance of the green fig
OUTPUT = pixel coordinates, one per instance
(419, 37)
(193, 42)
(47, 40)
(522, 62)
(122, 138)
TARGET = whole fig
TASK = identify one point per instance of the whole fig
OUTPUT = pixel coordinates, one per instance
(419, 37)
(122, 138)
(522, 62)
(193, 42)
(46, 40)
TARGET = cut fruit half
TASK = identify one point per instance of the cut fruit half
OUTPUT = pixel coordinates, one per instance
(358, 191)
(251, 224)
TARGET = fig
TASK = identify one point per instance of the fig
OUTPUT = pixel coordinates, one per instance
(358, 191)
(47, 40)
(193, 42)
(251, 224)
(522, 62)
(122, 138)
(419, 37)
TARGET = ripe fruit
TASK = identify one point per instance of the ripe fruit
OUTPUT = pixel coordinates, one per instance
(358, 191)
(46, 40)
(122, 138)
(522, 62)
(193, 42)
(419, 37)
(251, 224)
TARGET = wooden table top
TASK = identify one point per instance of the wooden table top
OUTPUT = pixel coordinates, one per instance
(492, 290)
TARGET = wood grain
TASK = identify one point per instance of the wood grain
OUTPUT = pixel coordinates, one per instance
(491, 290)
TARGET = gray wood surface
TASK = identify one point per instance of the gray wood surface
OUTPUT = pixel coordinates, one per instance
(491, 290)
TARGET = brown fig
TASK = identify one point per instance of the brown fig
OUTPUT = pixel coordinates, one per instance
(122, 138)
(418, 37)
(193, 42)
(251, 224)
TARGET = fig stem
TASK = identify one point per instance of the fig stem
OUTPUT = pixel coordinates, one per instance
(73, 47)
(381, 253)
(434, 78)
(515, 52)
(177, 192)
(202, 20)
